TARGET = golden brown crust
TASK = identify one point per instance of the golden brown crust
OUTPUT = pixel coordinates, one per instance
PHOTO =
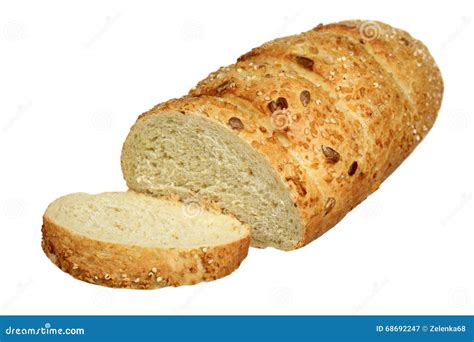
(333, 110)
(405, 57)
(137, 267)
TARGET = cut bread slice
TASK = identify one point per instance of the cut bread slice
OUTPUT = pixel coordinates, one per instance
(197, 158)
(130, 240)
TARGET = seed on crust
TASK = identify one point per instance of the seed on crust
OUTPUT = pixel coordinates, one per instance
(405, 41)
(330, 203)
(332, 156)
(235, 123)
(305, 97)
(278, 104)
(353, 168)
(224, 86)
(305, 62)
(298, 184)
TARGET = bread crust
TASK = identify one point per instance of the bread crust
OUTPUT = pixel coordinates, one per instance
(370, 100)
(137, 267)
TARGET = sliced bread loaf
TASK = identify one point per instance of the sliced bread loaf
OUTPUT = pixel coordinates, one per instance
(129, 240)
(296, 133)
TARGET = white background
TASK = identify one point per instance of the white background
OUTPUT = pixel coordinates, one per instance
(73, 78)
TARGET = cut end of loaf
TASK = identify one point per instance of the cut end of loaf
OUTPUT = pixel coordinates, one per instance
(131, 240)
(198, 159)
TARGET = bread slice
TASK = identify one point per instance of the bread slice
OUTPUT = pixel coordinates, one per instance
(130, 240)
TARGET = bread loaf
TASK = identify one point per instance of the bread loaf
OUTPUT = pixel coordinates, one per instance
(296, 133)
(131, 240)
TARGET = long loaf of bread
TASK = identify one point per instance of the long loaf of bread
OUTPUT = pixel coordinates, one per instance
(296, 133)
